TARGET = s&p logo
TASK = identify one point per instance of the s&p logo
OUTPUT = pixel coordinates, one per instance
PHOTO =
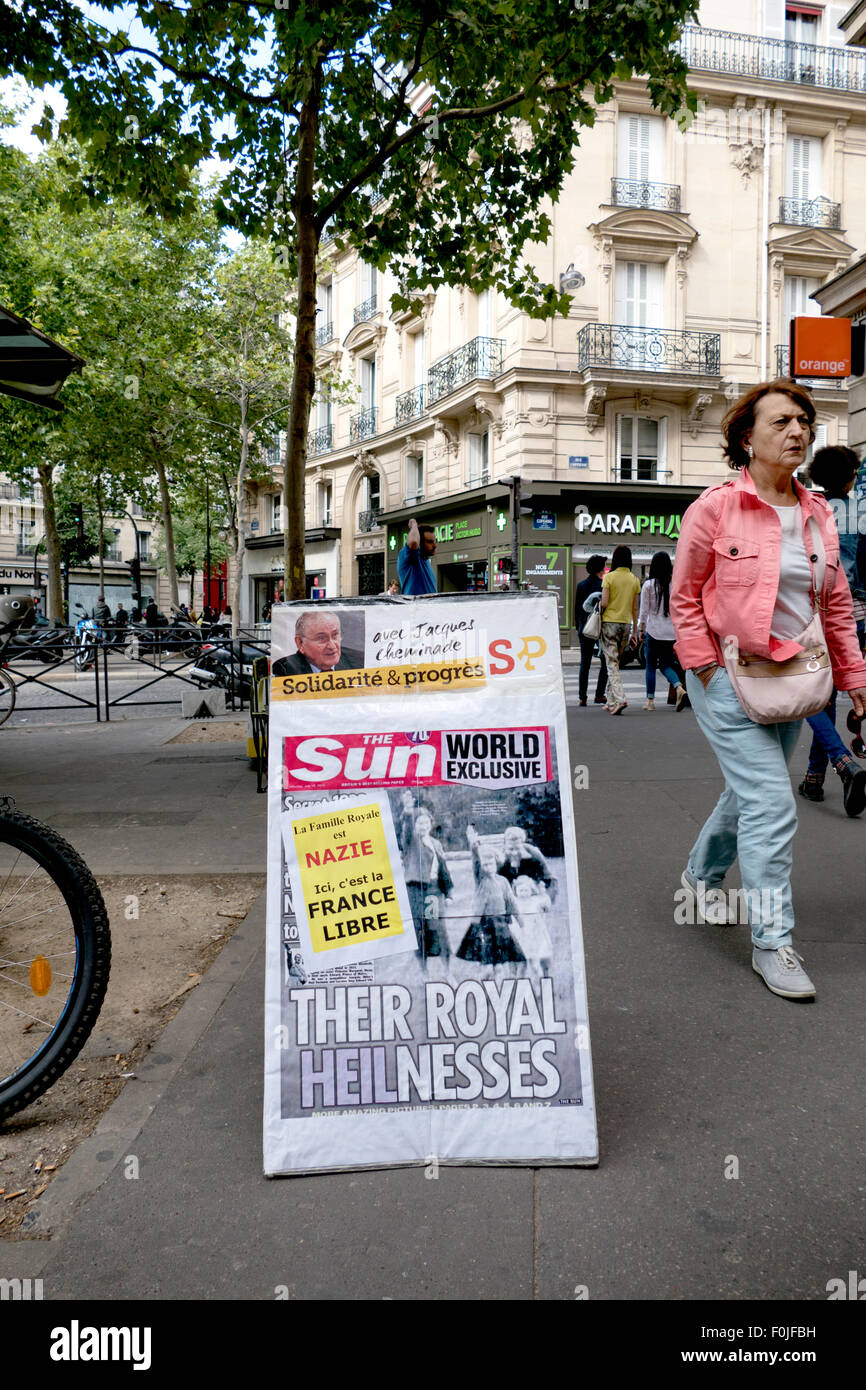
(529, 650)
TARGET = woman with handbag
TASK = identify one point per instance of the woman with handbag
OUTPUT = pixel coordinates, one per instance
(764, 626)
(586, 590)
(620, 591)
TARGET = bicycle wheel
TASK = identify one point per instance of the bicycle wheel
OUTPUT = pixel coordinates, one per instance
(55, 954)
(7, 695)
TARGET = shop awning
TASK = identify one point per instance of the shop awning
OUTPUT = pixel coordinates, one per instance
(32, 366)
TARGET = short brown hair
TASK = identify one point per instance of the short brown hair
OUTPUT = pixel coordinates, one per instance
(741, 416)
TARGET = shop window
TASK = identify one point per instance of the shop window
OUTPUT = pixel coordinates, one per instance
(640, 449)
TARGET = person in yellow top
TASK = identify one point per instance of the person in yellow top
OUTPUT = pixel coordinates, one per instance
(619, 604)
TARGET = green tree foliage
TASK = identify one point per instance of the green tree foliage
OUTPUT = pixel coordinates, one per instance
(462, 116)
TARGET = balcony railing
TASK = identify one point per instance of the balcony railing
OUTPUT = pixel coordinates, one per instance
(325, 334)
(746, 55)
(319, 441)
(113, 553)
(826, 382)
(366, 310)
(639, 193)
(412, 497)
(817, 212)
(363, 425)
(370, 520)
(26, 548)
(479, 479)
(648, 349)
(480, 357)
(409, 406)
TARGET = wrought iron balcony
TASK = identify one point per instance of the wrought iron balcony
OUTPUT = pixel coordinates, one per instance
(366, 310)
(825, 382)
(324, 334)
(648, 349)
(370, 520)
(639, 193)
(362, 425)
(746, 55)
(319, 441)
(113, 553)
(480, 357)
(409, 406)
(817, 212)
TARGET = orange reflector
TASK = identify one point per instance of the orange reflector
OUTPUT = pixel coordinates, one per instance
(40, 976)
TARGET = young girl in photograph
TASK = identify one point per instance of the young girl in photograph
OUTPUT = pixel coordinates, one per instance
(535, 939)
(489, 940)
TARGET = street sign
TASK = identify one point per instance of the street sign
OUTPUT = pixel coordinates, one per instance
(544, 521)
(578, 460)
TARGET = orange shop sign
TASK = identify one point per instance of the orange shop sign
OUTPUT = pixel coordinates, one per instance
(820, 347)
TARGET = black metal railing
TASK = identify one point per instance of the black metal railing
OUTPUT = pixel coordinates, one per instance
(814, 212)
(409, 406)
(366, 310)
(827, 382)
(479, 478)
(324, 334)
(747, 55)
(480, 357)
(113, 553)
(363, 425)
(648, 349)
(319, 441)
(640, 193)
(411, 498)
(370, 520)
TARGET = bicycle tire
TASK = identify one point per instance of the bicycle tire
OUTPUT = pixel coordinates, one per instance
(7, 702)
(77, 1004)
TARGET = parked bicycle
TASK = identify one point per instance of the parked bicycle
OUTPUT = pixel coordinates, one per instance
(55, 943)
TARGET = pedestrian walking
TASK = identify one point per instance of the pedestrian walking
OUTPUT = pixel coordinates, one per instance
(835, 470)
(620, 591)
(591, 585)
(657, 630)
(752, 556)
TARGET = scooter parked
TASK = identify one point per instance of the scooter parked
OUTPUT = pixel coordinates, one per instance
(216, 668)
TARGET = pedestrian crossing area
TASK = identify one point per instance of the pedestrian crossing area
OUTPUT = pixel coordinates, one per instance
(633, 683)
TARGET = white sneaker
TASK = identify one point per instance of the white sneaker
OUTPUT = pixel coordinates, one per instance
(713, 912)
(782, 972)
(650, 704)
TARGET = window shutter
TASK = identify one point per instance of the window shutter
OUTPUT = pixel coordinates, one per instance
(774, 19)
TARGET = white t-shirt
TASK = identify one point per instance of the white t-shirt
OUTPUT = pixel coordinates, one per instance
(793, 611)
(658, 623)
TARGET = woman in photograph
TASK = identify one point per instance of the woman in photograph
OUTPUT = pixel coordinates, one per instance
(429, 881)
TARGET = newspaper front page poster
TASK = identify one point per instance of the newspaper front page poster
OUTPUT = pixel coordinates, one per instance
(425, 994)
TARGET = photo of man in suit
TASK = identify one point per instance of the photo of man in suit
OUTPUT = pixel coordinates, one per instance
(319, 639)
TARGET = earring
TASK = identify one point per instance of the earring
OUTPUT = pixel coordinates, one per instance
(750, 451)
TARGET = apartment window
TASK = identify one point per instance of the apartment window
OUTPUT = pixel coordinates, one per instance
(419, 359)
(144, 545)
(414, 477)
(803, 167)
(323, 411)
(373, 493)
(798, 288)
(368, 281)
(639, 294)
(277, 512)
(479, 458)
(324, 304)
(802, 23)
(640, 449)
(484, 320)
(26, 534)
(368, 383)
(325, 508)
(641, 148)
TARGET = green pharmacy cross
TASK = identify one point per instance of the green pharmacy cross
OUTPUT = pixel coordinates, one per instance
(501, 521)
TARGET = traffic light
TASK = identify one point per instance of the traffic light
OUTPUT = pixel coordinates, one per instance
(505, 564)
(78, 518)
(134, 567)
(527, 501)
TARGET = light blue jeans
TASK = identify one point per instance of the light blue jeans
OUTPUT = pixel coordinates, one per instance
(756, 816)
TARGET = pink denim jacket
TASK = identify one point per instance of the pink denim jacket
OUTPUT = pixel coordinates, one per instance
(726, 577)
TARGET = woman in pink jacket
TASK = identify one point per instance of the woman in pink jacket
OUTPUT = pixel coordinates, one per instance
(743, 573)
